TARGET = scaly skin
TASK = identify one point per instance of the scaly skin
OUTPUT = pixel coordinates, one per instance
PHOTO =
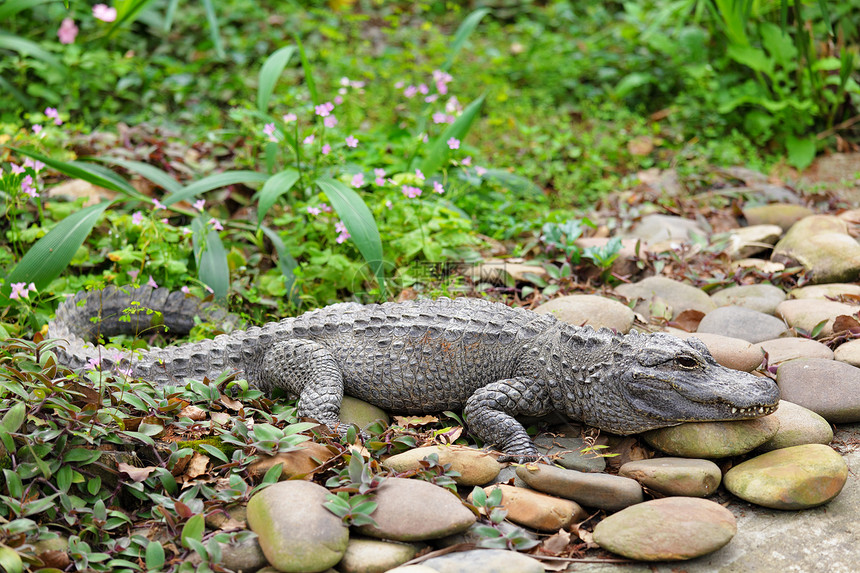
(493, 361)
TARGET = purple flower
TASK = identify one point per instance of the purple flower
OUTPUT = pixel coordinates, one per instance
(137, 218)
(419, 175)
(351, 141)
(17, 169)
(389, 204)
(480, 170)
(216, 225)
(330, 121)
(35, 164)
(27, 186)
(290, 117)
(325, 208)
(344, 234)
(454, 143)
(324, 109)
(133, 274)
(185, 231)
(326, 149)
(36, 129)
(411, 192)
(314, 210)
(440, 117)
(158, 204)
(466, 160)
(54, 114)
(423, 89)
(344, 81)
(269, 131)
(339, 99)
(358, 180)
(431, 98)
(19, 290)
(200, 204)
(308, 140)
(68, 31)
(151, 282)
(410, 91)
(104, 13)
(93, 363)
(437, 188)
(186, 290)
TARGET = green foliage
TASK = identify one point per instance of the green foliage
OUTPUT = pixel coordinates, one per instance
(491, 536)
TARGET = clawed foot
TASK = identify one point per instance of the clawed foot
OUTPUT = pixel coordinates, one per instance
(526, 458)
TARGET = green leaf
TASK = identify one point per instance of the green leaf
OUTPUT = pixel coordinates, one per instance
(286, 263)
(154, 556)
(149, 172)
(479, 496)
(463, 32)
(215, 452)
(10, 561)
(439, 153)
(212, 267)
(193, 529)
(14, 417)
(309, 72)
(269, 74)
(214, 32)
(801, 151)
(359, 222)
(52, 253)
(273, 474)
(277, 185)
(13, 484)
(11, 7)
(214, 182)
(27, 48)
(81, 455)
(751, 57)
(127, 12)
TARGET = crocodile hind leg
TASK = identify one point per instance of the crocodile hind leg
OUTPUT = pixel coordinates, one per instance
(490, 412)
(308, 370)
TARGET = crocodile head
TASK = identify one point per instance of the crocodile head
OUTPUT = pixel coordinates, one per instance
(660, 380)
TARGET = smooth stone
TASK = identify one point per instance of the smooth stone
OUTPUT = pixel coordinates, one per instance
(475, 467)
(484, 561)
(807, 313)
(415, 510)
(848, 353)
(743, 323)
(759, 264)
(829, 388)
(668, 529)
(537, 510)
(748, 241)
(783, 349)
(797, 426)
(590, 310)
(474, 536)
(821, 245)
(374, 556)
(682, 296)
(798, 477)
(413, 569)
(728, 351)
(360, 413)
(760, 297)
(713, 439)
(659, 228)
(675, 476)
(300, 462)
(602, 491)
(781, 214)
(296, 532)
(826, 291)
(566, 451)
(243, 556)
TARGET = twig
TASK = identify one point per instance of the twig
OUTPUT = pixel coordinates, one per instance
(845, 124)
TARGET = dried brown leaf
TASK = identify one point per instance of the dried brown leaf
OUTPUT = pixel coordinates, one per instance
(136, 474)
(844, 322)
(556, 544)
(688, 320)
(411, 421)
(193, 412)
(197, 466)
(230, 403)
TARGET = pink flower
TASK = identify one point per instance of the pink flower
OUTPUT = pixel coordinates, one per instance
(35, 164)
(466, 160)
(410, 91)
(454, 143)
(351, 141)
(53, 113)
(27, 186)
(324, 109)
(185, 231)
(431, 98)
(104, 13)
(325, 208)
(21, 290)
(216, 225)
(158, 204)
(308, 140)
(423, 89)
(344, 234)
(68, 31)
(399, 85)
(36, 129)
(480, 170)
(200, 204)
(186, 290)
(269, 131)
(358, 180)
(330, 121)
(290, 117)
(411, 192)
(137, 218)
(389, 204)
(17, 169)
(151, 282)
(93, 363)
(163, 220)
(453, 105)
(133, 275)
(326, 149)
(419, 175)
(313, 210)
(437, 188)
(380, 177)
(344, 81)
(339, 99)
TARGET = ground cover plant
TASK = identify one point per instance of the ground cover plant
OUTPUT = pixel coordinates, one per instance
(282, 159)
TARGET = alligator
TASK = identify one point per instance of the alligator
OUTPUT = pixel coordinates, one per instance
(492, 361)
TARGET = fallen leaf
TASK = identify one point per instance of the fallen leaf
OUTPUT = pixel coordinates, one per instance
(230, 403)
(222, 418)
(136, 474)
(197, 466)
(193, 412)
(844, 322)
(410, 421)
(641, 146)
(688, 320)
(556, 544)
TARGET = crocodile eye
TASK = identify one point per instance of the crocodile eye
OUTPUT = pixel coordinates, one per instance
(686, 362)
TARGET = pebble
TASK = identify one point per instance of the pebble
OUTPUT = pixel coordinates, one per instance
(602, 491)
(807, 313)
(760, 264)
(829, 388)
(798, 477)
(413, 569)
(482, 561)
(797, 426)
(783, 215)
(848, 353)
(295, 530)
(374, 555)
(760, 297)
(743, 323)
(728, 351)
(298, 463)
(658, 228)
(415, 510)
(678, 295)
(360, 413)
(566, 451)
(822, 245)
(713, 439)
(243, 556)
(832, 290)
(668, 529)
(783, 349)
(475, 467)
(590, 310)
(537, 510)
(747, 241)
(675, 476)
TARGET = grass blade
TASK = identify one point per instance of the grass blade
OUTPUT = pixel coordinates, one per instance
(214, 30)
(277, 185)
(463, 32)
(169, 13)
(286, 263)
(309, 72)
(147, 171)
(12, 7)
(359, 222)
(269, 74)
(215, 182)
(127, 13)
(439, 153)
(212, 267)
(27, 48)
(51, 254)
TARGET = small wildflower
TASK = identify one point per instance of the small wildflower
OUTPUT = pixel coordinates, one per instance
(344, 234)
(380, 177)
(216, 225)
(36, 129)
(137, 218)
(480, 170)
(411, 192)
(351, 141)
(186, 290)
(325, 208)
(324, 109)
(54, 114)
(466, 160)
(326, 149)
(158, 204)
(389, 204)
(419, 175)
(19, 290)
(104, 13)
(410, 92)
(431, 98)
(437, 188)
(185, 231)
(27, 186)
(338, 99)
(454, 143)
(423, 89)
(93, 363)
(269, 131)
(358, 180)
(164, 220)
(68, 31)
(133, 274)
(344, 81)
(314, 210)
(308, 140)
(208, 289)
(453, 105)
(35, 164)
(440, 117)
(399, 85)
(425, 138)
(290, 117)
(151, 282)
(200, 204)
(330, 121)
(357, 84)
(17, 169)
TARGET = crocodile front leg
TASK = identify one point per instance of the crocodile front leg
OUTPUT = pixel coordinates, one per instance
(308, 370)
(490, 415)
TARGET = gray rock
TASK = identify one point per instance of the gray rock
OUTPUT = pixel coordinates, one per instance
(675, 476)
(296, 532)
(798, 477)
(591, 310)
(414, 510)
(829, 388)
(678, 295)
(807, 313)
(660, 228)
(822, 245)
(375, 555)
(781, 214)
(730, 352)
(759, 297)
(569, 453)
(360, 413)
(244, 555)
(602, 491)
(669, 529)
(743, 323)
(476, 467)
(748, 241)
(848, 353)
(825, 291)
(780, 350)
(713, 439)
(483, 561)
(474, 535)
(760, 264)
(797, 426)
